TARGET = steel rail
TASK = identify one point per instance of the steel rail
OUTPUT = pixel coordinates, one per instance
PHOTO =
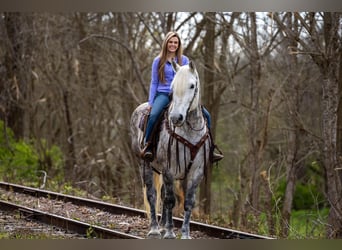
(108, 207)
(66, 223)
(210, 230)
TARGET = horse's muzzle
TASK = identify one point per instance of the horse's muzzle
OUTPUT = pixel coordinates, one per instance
(177, 120)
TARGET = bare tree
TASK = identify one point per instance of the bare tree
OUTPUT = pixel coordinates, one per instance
(16, 73)
(292, 99)
(323, 53)
(257, 131)
(208, 100)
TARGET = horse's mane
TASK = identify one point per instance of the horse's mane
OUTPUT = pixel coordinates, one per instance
(177, 86)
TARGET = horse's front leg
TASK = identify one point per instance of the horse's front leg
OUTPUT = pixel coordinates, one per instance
(189, 204)
(150, 194)
(168, 204)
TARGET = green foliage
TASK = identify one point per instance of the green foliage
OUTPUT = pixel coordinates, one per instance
(307, 197)
(68, 188)
(51, 160)
(308, 193)
(22, 162)
(91, 233)
(18, 159)
(308, 224)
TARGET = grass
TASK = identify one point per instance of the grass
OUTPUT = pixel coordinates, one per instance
(304, 224)
(308, 224)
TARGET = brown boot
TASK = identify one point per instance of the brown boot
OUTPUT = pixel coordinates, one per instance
(146, 153)
(217, 157)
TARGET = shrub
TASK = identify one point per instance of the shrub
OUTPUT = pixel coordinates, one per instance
(18, 159)
(21, 162)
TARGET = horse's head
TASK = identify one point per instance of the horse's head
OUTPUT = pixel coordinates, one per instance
(185, 87)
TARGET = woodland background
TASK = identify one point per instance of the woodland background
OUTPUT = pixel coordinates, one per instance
(271, 81)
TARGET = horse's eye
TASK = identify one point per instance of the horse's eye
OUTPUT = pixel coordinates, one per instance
(192, 86)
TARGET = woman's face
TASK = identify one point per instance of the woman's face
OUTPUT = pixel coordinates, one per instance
(172, 45)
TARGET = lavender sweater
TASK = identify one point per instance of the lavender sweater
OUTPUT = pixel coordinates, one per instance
(156, 85)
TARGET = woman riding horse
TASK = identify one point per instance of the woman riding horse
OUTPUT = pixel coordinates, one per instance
(182, 153)
(160, 91)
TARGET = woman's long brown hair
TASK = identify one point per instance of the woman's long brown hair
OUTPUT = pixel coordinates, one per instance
(163, 54)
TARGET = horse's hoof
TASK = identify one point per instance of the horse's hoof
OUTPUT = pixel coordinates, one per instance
(154, 234)
(169, 235)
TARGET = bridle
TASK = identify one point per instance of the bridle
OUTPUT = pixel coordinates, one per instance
(188, 109)
(193, 97)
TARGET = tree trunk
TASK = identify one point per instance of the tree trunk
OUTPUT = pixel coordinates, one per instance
(70, 160)
(208, 84)
(330, 101)
(332, 167)
(256, 142)
(17, 62)
(339, 111)
(292, 99)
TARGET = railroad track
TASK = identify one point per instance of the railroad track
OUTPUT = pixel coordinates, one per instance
(209, 231)
(79, 227)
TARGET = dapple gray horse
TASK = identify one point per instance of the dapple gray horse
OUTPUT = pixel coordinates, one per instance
(182, 153)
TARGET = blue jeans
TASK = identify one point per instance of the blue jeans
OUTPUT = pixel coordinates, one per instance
(161, 100)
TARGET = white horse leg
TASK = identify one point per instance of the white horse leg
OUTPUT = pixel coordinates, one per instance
(188, 206)
(186, 225)
(151, 197)
(169, 203)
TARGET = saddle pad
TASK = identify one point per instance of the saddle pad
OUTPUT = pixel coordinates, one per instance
(143, 119)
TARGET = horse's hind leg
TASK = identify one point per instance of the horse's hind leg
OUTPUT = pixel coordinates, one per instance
(158, 184)
(162, 221)
(168, 204)
(150, 192)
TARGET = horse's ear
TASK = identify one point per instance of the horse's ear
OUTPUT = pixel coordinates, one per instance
(192, 66)
(175, 66)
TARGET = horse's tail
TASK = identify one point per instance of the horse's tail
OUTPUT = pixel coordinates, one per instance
(147, 206)
(180, 198)
(179, 193)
